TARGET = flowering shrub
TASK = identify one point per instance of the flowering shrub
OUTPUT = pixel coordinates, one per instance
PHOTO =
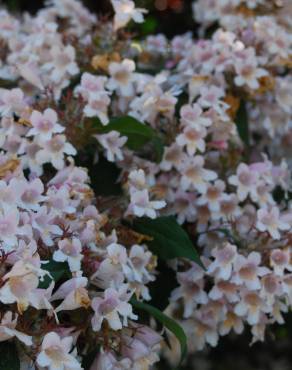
(145, 185)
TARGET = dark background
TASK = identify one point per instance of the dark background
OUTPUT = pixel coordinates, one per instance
(170, 17)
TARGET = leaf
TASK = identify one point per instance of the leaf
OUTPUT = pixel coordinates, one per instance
(104, 178)
(138, 133)
(8, 356)
(241, 121)
(58, 270)
(169, 238)
(168, 322)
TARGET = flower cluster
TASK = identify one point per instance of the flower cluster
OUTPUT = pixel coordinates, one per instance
(204, 139)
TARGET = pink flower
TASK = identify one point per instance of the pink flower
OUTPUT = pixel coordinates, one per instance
(28, 194)
(251, 306)
(248, 74)
(56, 353)
(122, 77)
(70, 251)
(245, 180)
(12, 101)
(271, 222)
(224, 261)
(53, 151)
(63, 62)
(44, 124)
(125, 11)
(248, 271)
(74, 294)
(193, 115)
(195, 176)
(193, 138)
(112, 142)
(280, 260)
(9, 227)
(113, 305)
(141, 205)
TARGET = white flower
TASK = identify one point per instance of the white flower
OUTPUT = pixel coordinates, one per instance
(112, 142)
(245, 180)
(248, 271)
(248, 74)
(111, 307)
(54, 151)
(195, 176)
(70, 251)
(122, 77)
(280, 260)
(56, 353)
(141, 205)
(44, 124)
(125, 11)
(193, 138)
(270, 221)
(251, 306)
(63, 62)
(224, 261)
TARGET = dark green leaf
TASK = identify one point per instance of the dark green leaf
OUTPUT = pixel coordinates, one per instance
(241, 121)
(168, 322)
(166, 278)
(58, 270)
(104, 178)
(169, 238)
(8, 356)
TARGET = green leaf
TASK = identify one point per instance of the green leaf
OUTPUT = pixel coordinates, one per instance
(166, 279)
(8, 356)
(138, 133)
(104, 177)
(166, 321)
(169, 238)
(241, 121)
(58, 270)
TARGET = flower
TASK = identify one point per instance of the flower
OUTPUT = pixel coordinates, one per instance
(247, 271)
(141, 205)
(224, 261)
(193, 138)
(113, 305)
(44, 125)
(70, 251)
(248, 74)
(245, 180)
(112, 142)
(122, 77)
(270, 221)
(63, 62)
(55, 353)
(194, 176)
(252, 306)
(125, 11)
(53, 151)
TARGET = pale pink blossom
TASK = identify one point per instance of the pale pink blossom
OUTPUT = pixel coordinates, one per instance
(56, 353)
(112, 142)
(270, 221)
(44, 125)
(125, 10)
(111, 307)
